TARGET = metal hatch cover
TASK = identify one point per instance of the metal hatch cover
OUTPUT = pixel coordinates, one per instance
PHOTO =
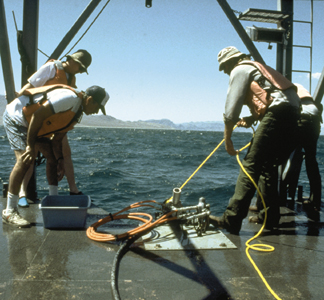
(168, 237)
(263, 15)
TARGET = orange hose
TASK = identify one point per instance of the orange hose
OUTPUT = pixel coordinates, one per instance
(143, 217)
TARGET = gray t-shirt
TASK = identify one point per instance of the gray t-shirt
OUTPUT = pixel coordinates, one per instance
(239, 83)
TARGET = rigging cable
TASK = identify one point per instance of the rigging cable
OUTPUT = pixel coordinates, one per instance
(20, 33)
(86, 30)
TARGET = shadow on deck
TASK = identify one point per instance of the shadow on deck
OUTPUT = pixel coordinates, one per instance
(38, 263)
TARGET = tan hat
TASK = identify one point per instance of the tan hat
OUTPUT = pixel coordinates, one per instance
(99, 95)
(83, 57)
(226, 54)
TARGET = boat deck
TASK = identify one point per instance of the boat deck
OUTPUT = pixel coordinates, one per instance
(38, 263)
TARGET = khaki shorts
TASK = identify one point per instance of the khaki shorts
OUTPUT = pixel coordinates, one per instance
(17, 134)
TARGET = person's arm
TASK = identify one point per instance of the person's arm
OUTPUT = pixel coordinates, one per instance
(246, 122)
(228, 138)
(39, 78)
(236, 93)
(36, 122)
(25, 87)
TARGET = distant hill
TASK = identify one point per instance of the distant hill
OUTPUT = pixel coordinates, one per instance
(108, 121)
(201, 126)
(111, 122)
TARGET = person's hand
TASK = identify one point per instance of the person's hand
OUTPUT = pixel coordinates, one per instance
(60, 169)
(28, 156)
(245, 122)
(230, 148)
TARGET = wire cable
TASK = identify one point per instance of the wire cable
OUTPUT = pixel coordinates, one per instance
(86, 30)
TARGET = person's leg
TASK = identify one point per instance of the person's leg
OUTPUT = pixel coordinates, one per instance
(68, 165)
(238, 206)
(268, 186)
(310, 133)
(51, 165)
(10, 215)
(17, 174)
(273, 141)
(23, 188)
(17, 136)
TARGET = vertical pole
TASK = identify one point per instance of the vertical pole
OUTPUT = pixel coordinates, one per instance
(30, 39)
(284, 66)
(241, 31)
(285, 50)
(29, 65)
(280, 47)
(311, 48)
(5, 56)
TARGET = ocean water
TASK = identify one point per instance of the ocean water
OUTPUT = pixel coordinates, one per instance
(118, 167)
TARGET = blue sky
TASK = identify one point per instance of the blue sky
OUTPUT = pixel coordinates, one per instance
(161, 62)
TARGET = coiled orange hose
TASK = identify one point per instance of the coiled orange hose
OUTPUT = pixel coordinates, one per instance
(140, 216)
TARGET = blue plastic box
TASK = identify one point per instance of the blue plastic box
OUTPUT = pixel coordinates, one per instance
(65, 211)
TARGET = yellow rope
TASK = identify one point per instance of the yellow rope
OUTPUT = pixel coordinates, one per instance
(257, 247)
(192, 175)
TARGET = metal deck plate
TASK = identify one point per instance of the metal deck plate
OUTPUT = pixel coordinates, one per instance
(168, 237)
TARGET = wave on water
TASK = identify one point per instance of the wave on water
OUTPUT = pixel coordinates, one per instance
(118, 167)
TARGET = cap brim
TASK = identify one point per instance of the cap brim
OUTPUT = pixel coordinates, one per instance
(81, 64)
(103, 110)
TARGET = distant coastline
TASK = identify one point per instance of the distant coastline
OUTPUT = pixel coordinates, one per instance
(101, 121)
(165, 124)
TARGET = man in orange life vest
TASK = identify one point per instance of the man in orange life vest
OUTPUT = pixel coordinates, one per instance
(58, 72)
(41, 112)
(273, 101)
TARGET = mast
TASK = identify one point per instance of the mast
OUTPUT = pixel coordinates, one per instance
(5, 56)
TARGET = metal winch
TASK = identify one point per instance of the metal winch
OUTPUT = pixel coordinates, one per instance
(197, 215)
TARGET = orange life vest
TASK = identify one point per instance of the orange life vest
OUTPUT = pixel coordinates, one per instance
(258, 98)
(59, 122)
(60, 75)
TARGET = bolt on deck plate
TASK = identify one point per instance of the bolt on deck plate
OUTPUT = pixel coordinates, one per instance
(168, 237)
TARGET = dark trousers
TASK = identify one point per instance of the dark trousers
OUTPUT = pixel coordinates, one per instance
(274, 139)
(309, 130)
